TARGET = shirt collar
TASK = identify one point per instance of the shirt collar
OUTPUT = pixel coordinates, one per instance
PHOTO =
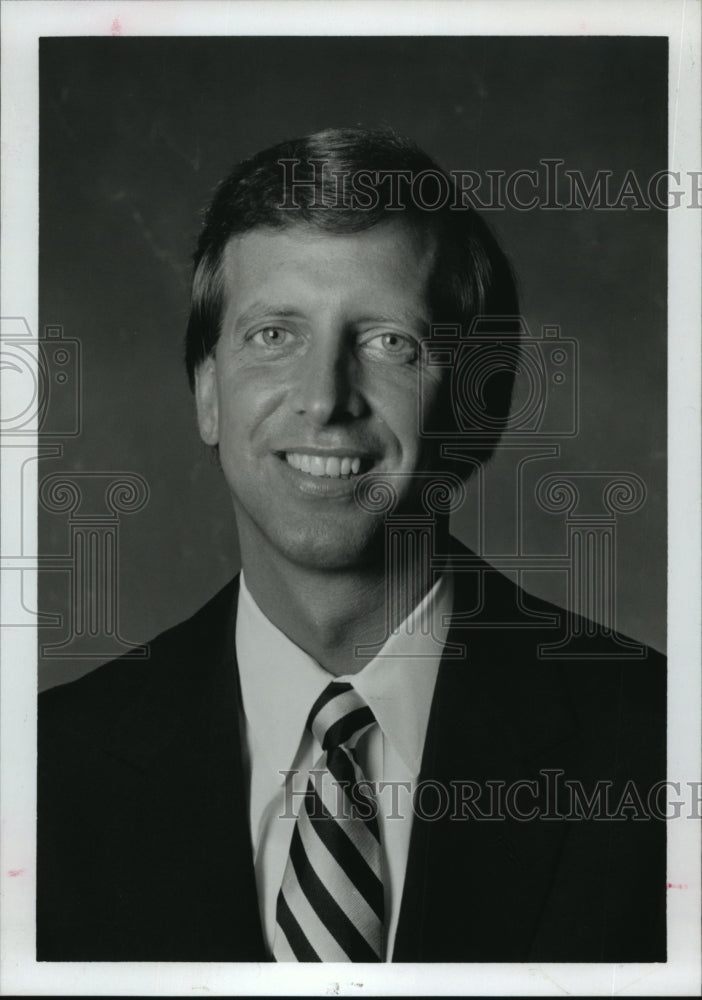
(398, 683)
(280, 682)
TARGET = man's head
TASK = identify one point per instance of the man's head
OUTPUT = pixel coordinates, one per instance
(317, 277)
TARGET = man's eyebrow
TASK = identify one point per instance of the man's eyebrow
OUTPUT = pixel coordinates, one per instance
(406, 316)
(257, 310)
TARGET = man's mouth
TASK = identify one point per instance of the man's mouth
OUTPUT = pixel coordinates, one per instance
(329, 466)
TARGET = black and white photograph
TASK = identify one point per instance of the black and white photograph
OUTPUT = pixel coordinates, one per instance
(350, 554)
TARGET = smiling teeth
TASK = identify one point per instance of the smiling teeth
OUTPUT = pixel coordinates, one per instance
(318, 465)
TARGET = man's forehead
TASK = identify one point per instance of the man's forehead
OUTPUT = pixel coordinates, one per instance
(307, 235)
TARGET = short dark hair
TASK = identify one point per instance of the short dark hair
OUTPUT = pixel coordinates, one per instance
(301, 181)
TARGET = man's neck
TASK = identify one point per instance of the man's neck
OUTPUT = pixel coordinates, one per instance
(330, 613)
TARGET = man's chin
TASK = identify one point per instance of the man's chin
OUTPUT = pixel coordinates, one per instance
(325, 546)
(326, 552)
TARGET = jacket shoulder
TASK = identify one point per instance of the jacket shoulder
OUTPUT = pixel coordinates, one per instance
(88, 706)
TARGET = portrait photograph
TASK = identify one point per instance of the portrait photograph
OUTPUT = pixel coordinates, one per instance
(350, 437)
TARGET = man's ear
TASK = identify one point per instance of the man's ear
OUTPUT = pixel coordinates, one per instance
(206, 400)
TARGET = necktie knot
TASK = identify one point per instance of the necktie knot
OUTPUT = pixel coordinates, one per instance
(339, 717)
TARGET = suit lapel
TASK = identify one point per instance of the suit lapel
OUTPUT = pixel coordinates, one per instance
(474, 887)
(229, 906)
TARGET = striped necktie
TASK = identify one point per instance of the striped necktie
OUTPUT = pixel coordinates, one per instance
(330, 906)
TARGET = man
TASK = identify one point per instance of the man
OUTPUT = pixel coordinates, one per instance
(319, 765)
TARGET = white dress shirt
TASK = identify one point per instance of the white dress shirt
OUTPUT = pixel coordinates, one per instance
(279, 685)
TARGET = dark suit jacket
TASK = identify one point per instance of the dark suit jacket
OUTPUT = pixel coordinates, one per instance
(144, 848)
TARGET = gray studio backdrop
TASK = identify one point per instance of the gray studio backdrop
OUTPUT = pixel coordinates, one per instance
(134, 135)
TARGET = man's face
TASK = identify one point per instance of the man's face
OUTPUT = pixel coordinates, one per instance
(314, 382)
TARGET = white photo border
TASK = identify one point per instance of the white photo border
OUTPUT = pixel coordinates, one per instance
(23, 23)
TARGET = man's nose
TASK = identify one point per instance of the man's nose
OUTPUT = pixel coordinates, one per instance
(327, 388)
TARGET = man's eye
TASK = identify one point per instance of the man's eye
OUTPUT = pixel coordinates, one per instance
(393, 347)
(271, 336)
